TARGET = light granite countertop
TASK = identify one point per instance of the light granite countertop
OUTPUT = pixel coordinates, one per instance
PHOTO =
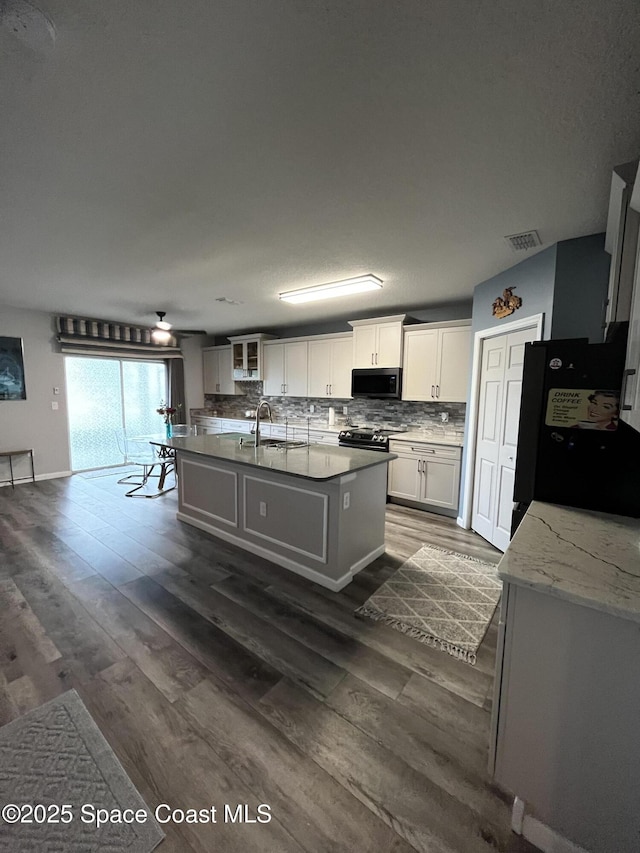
(589, 558)
(312, 462)
(429, 437)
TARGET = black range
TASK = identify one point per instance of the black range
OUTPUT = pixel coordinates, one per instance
(367, 438)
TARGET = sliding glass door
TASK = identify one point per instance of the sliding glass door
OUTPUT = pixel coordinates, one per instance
(105, 394)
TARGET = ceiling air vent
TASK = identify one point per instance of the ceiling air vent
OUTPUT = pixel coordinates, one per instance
(524, 241)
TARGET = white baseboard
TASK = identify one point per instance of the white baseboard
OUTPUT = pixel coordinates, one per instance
(335, 585)
(460, 523)
(539, 834)
(53, 476)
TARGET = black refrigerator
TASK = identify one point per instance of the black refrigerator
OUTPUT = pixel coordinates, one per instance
(573, 449)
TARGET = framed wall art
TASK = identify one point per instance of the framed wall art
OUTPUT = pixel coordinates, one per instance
(12, 386)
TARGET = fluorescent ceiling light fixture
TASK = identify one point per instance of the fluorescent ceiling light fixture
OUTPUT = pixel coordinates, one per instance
(335, 288)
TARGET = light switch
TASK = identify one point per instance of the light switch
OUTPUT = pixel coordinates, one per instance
(263, 509)
(56, 390)
(346, 500)
(54, 406)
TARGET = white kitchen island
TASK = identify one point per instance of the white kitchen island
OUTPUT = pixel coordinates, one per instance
(316, 510)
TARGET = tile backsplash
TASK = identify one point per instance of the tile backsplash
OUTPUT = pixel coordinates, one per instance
(385, 413)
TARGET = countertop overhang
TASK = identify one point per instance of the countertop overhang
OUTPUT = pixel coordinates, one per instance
(588, 558)
(313, 462)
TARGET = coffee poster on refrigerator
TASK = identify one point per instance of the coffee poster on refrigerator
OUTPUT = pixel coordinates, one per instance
(581, 408)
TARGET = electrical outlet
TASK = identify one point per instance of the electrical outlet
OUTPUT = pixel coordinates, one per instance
(345, 410)
(263, 509)
(444, 417)
(346, 500)
(312, 408)
(54, 406)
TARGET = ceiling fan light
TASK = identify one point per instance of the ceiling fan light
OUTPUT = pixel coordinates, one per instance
(360, 284)
(162, 324)
(161, 336)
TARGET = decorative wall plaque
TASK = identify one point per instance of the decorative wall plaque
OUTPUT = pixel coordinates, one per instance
(506, 304)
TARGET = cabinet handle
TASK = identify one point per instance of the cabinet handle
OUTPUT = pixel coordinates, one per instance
(419, 472)
(626, 407)
(433, 390)
(286, 388)
(330, 390)
(437, 390)
(376, 358)
(372, 361)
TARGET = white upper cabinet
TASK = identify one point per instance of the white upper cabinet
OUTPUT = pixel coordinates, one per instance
(378, 343)
(217, 375)
(246, 353)
(285, 369)
(330, 362)
(437, 362)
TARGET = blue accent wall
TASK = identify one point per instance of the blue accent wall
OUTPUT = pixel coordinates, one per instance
(533, 280)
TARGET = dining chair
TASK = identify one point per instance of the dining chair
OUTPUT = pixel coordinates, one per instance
(140, 453)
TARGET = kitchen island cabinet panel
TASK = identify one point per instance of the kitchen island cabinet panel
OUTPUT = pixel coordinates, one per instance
(318, 511)
(294, 518)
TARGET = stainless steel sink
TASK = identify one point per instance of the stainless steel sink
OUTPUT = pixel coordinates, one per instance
(249, 441)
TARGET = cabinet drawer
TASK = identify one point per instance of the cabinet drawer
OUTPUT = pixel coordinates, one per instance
(419, 450)
(236, 426)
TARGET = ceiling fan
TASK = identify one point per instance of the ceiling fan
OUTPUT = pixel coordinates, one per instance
(162, 331)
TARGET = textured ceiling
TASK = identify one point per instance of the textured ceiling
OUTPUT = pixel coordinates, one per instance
(163, 155)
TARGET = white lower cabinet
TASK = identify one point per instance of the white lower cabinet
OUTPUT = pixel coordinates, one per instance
(428, 474)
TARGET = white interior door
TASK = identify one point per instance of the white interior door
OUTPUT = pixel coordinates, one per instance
(496, 443)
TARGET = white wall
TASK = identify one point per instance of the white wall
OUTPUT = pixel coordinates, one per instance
(32, 422)
(193, 379)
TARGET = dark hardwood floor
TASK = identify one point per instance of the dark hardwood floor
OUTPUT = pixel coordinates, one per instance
(218, 678)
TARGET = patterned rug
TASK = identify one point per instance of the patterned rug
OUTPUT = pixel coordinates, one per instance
(440, 598)
(56, 755)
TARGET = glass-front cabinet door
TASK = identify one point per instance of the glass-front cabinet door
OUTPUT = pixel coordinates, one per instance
(247, 356)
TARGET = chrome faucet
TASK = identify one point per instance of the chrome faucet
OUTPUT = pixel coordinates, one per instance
(257, 429)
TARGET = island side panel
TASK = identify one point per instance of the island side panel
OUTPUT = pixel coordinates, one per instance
(218, 505)
(361, 517)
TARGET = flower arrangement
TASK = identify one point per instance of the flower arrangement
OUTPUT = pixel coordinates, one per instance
(167, 411)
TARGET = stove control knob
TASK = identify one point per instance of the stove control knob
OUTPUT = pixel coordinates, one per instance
(347, 435)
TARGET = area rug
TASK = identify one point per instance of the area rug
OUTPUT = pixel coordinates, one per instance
(441, 598)
(56, 755)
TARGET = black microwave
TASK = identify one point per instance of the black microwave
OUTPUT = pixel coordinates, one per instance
(377, 382)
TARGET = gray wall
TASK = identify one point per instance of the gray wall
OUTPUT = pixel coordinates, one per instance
(460, 310)
(533, 280)
(581, 286)
(32, 422)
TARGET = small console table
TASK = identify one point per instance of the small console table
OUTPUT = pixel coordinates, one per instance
(10, 454)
